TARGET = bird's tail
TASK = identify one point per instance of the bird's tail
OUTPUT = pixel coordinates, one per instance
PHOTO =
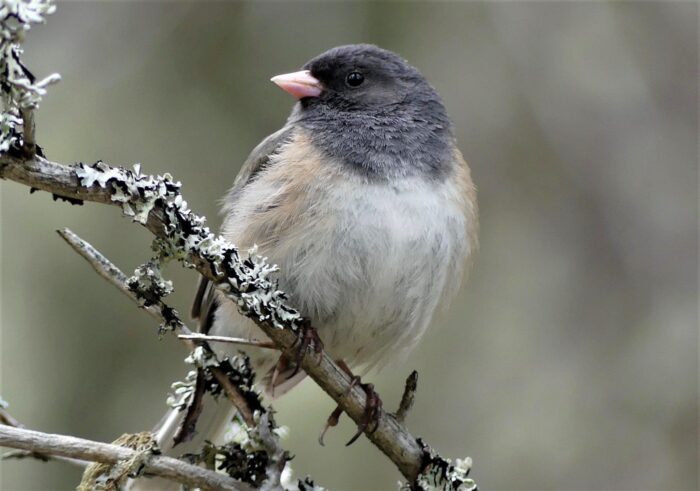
(212, 425)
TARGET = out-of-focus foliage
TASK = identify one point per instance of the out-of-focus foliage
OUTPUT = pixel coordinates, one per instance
(569, 361)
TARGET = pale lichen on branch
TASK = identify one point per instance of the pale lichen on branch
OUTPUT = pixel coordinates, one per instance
(20, 91)
(78, 448)
(230, 376)
(247, 281)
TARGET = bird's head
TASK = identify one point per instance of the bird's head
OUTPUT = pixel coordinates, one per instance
(357, 77)
(372, 110)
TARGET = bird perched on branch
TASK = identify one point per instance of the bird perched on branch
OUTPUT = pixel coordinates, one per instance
(366, 204)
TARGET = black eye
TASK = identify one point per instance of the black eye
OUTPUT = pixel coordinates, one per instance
(355, 79)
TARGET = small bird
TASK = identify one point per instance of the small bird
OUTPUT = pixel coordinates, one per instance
(366, 204)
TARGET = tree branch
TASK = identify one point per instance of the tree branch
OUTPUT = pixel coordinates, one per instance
(78, 448)
(216, 259)
(28, 132)
(390, 436)
(7, 419)
(409, 395)
(107, 270)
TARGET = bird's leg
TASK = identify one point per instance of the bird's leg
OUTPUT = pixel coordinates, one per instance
(338, 411)
(307, 335)
(373, 407)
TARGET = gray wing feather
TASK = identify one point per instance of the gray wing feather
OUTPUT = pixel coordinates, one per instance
(205, 301)
(256, 162)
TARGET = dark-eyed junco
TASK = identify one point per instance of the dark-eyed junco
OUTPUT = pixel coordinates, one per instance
(364, 202)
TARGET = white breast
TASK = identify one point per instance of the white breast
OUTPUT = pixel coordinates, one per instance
(393, 253)
(368, 263)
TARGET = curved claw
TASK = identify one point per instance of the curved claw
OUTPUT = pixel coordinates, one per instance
(373, 406)
(332, 421)
(279, 367)
(306, 337)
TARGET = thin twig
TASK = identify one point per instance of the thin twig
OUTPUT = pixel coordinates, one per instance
(78, 448)
(234, 395)
(226, 339)
(409, 395)
(28, 133)
(28, 454)
(107, 270)
(7, 419)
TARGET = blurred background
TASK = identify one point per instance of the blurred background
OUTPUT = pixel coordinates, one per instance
(570, 359)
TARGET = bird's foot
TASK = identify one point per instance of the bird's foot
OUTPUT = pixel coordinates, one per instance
(306, 337)
(373, 407)
(338, 411)
(330, 422)
(370, 418)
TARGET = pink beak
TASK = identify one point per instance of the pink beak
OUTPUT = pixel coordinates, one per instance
(299, 84)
